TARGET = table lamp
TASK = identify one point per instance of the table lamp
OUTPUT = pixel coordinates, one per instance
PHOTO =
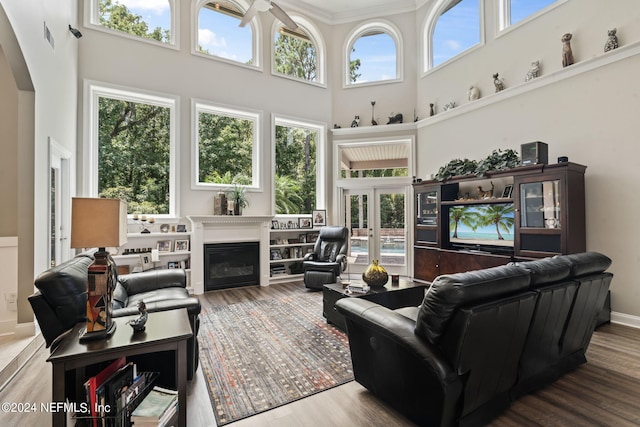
(99, 223)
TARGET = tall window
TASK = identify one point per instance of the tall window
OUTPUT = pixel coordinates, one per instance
(227, 146)
(457, 28)
(219, 33)
(373, 54)
(134, 137)
(300, 53)
(514, 11)
(148, 19)
(298, 186)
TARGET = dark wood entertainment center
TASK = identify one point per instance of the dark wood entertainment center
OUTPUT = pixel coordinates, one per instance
(547, 204)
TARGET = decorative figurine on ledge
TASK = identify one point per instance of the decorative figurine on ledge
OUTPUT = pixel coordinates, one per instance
(533, 72)
(139, 323)
(567, 53)
(473, 93)
(449, 106)
(432, 110)
(356, 122)
(498, 82)
(373, 120)
(612, 40)
(395, 119)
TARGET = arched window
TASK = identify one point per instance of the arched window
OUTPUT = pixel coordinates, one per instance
(453, 27)
(515, 11)
(219, 34)
(373, 54)
(153, 20)
(299, 54)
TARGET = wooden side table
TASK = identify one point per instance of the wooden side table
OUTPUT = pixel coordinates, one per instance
(165, 331)
(406, 293)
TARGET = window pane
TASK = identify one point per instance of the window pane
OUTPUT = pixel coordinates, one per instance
(225, 149)
(295, 170)
(133, 154)
(220, 35)
(373, 58)
(150, 19)
(295, 55)
(521, 9)
(457, 29)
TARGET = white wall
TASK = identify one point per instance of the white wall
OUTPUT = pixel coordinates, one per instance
(589, 115)
(49, 111)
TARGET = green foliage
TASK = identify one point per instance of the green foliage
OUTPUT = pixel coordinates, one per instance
(461, 215)
(239, 196)
(392, 210)
(295, 170)
(225, 148)
(296, 57)
(133, 154)
(495, 214)
(354, 65)
(117, 17)
(456, 167)
(498, 160)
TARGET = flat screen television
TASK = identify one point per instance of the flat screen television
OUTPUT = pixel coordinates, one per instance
(483, 226)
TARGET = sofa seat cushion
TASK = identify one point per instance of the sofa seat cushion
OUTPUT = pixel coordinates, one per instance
(449, 292)
(409, 312)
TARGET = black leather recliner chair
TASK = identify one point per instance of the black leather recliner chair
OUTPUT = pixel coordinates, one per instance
(328, 259)
(60, 302)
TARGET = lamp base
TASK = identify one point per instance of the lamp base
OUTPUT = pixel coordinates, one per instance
(97, 335)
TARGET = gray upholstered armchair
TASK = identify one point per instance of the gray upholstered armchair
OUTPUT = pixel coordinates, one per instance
(328, 259)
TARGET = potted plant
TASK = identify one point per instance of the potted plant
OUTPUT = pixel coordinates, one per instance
(238, 195)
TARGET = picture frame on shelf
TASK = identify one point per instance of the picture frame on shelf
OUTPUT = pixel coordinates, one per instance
(145, 261)
(508, 190)
(181, 228)
(182, 245)
(173, 264)
(164, 245)
(304, 223)
(319, 217)
(275, 225)
(276, 254)
(302, 238)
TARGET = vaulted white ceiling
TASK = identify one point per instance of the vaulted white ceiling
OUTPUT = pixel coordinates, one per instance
(339, 11)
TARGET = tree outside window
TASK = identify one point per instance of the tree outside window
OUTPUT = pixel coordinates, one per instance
(373, 58)
(295, 55)
(295, 180)
(149, 19)
(225, 147)
(134, 145)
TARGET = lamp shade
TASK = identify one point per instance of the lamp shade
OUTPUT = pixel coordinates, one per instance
(98, 222)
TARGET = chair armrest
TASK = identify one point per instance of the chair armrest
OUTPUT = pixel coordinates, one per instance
(146, 281)
(399, 329)
(309, 257)
(342, 260)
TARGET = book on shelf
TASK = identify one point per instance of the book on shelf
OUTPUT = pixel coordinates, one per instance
(92, 384)
(355, 287)
(157, 408)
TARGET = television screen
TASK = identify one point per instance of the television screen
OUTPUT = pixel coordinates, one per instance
(482, 224)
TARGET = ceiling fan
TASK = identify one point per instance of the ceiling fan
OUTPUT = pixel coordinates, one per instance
(268, 5)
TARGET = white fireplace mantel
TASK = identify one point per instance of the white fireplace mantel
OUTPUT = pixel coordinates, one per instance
(226, 229)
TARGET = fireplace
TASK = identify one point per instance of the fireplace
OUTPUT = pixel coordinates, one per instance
(228, 265)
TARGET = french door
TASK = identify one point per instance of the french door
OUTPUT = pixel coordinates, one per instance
(377, 220)
(59, 203)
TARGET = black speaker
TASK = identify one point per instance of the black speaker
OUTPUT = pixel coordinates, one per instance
(534, 153)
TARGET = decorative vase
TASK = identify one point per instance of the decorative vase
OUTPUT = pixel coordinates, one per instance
(375, 275)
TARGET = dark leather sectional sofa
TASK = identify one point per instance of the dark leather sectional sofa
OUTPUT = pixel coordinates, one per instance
(480, 339)
(60, 302)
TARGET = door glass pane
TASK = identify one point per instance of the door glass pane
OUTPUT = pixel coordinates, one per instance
(356, 218)
(540, 204)
(52, 214)
(392, 229)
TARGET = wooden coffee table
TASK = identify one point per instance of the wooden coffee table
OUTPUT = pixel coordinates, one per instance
(406, 293)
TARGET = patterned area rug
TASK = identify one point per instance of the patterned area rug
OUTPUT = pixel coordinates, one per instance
(259, 355)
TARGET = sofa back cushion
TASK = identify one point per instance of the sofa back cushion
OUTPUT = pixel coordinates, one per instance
(449, 292)
(547, 270)
(587, 263)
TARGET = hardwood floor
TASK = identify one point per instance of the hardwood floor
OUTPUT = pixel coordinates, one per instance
(603, 392)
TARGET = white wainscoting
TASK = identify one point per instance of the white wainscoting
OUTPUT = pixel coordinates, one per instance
(8, 285)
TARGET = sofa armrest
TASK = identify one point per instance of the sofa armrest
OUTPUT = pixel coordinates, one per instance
(146, 281)
(417, 379)
(192, 304)
(48, 321)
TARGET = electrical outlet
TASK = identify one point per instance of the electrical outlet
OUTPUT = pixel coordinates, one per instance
(11, 298)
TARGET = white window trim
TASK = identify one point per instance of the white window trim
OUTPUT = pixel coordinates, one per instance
(380, 25)
(255, 116)
(91, 20)
(318, 42)
(429, 27)
(503, 10)
(321, 157)
(92, 92)
(256, 32)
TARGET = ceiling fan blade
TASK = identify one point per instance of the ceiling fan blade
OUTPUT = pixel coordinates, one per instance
(283, 17)
(251, 12)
